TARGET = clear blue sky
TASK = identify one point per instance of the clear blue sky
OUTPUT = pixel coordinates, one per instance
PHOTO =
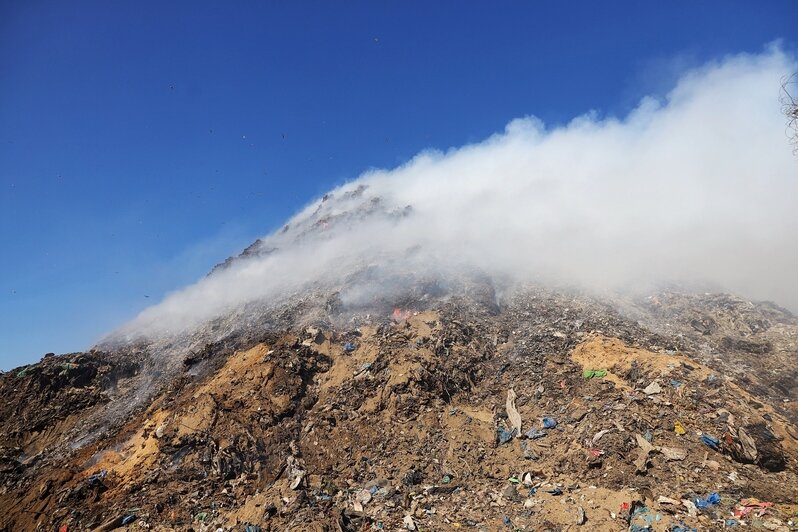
(142, 142)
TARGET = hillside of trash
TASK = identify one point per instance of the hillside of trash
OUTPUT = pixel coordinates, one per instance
(538, 410)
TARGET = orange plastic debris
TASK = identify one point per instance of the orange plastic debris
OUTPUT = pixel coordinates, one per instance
(400, 315)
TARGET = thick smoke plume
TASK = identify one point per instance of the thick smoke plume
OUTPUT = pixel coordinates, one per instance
(700, 186)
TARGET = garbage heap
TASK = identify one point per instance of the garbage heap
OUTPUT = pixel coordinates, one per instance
(547, 411)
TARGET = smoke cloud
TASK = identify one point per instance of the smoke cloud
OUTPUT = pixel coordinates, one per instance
(699, 186)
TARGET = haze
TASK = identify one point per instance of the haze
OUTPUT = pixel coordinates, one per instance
(698, 187)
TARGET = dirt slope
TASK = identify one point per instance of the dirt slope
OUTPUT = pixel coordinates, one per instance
(403, 421)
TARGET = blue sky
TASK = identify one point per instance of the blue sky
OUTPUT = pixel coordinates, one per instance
(141, 143)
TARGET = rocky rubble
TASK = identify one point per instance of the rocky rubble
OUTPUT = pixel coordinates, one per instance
(542, 411)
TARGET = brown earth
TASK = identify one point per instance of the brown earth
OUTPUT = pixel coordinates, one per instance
(404, 429)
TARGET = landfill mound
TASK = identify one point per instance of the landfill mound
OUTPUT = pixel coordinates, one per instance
(543, 411)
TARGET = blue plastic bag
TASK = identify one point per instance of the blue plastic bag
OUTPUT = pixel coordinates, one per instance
(506, 435)
(534, 434)
(709, 500)
(710, 441)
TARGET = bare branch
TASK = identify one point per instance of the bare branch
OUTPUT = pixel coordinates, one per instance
(789, 86)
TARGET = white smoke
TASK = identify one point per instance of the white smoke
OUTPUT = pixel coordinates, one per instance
(700, 185)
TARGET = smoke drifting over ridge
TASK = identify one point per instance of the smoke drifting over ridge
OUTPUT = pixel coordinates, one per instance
(701, 187)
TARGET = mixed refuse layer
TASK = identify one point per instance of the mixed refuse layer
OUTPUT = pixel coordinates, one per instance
(543, 411)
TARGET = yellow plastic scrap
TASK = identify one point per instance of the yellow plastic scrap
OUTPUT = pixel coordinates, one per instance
(678, 428)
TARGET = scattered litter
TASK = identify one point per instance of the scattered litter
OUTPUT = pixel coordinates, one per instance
(97, 477)
(600, 434)
(295, 473)
(401, 315)
(581, 517)
(641, 518)
(710, 500)
(505, 435)
(749, 505)
(381, 453)
(512, 412)
(529, 451)
(692, 511)
(710, 441)
(534, 434)
(642, 456)
(161, 429)
(593, 373)
(652, 389)
(671, 453)
(748, 450)
(511, 493)
(363, 497)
